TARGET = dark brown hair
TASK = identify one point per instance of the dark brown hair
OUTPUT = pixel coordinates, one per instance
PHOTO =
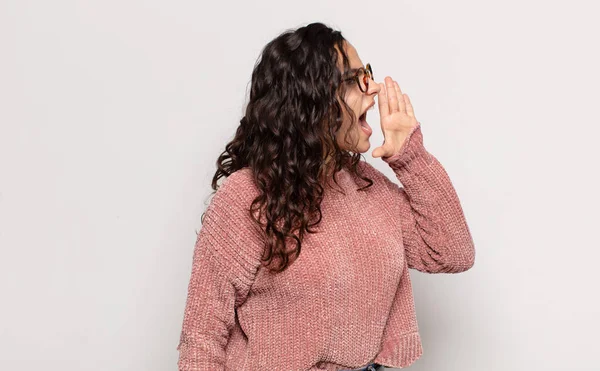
(291, 119)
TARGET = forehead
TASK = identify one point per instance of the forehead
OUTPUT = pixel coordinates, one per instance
(353, 57)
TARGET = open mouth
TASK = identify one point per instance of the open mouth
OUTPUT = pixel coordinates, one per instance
(362, 120)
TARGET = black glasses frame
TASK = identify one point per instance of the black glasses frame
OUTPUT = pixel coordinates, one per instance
(367, 74)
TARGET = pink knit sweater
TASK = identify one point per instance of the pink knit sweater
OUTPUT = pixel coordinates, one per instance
(347, 299)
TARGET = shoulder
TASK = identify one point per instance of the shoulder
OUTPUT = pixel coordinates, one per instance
(237, 189)
(231, 203)
(228, 231)
(239, 180)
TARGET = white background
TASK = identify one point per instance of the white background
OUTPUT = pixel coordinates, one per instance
(112, 115)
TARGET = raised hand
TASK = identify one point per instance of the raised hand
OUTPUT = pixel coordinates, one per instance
(397, 118)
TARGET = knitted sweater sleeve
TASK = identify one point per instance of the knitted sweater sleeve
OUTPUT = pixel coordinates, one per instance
(435, 233)
(225, 260)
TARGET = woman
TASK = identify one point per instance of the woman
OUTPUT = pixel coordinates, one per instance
(303, 256)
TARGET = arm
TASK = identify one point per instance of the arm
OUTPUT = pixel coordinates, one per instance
(225, 261)
(435, 233)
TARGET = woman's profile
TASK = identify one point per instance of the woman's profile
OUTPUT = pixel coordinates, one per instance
(302, 261)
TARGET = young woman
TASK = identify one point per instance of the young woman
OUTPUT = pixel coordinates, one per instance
(303, 256)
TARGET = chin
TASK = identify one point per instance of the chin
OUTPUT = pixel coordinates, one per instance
(364, 145)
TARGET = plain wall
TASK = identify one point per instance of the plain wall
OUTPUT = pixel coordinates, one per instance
(112, 115)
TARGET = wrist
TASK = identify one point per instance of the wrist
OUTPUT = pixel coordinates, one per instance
(411, 147)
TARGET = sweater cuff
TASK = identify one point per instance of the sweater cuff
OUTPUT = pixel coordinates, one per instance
(412, 153)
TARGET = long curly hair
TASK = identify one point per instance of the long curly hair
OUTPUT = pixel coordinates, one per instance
(287, 136)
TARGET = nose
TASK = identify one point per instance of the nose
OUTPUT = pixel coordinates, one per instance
(374, 87)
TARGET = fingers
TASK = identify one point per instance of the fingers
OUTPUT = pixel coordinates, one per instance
(409, 107)
(382, 98)
(380, 151)
(401, 103)
(392, 95)
(377, 152)
(391, 99)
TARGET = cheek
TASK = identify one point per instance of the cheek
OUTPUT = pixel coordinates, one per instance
(348, 126)
(348, 135)
(350, 130)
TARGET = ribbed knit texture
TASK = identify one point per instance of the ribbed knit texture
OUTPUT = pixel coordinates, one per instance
(347, 300)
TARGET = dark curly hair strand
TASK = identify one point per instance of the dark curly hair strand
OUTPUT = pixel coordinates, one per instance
(287, 135)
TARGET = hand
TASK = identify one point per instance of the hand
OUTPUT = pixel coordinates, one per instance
(397, 118)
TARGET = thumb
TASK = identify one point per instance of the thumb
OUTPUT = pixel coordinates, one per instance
(377, 152)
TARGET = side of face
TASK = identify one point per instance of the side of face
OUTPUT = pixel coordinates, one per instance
(354, 135)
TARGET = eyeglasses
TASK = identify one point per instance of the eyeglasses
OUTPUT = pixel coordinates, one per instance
(361, 77)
